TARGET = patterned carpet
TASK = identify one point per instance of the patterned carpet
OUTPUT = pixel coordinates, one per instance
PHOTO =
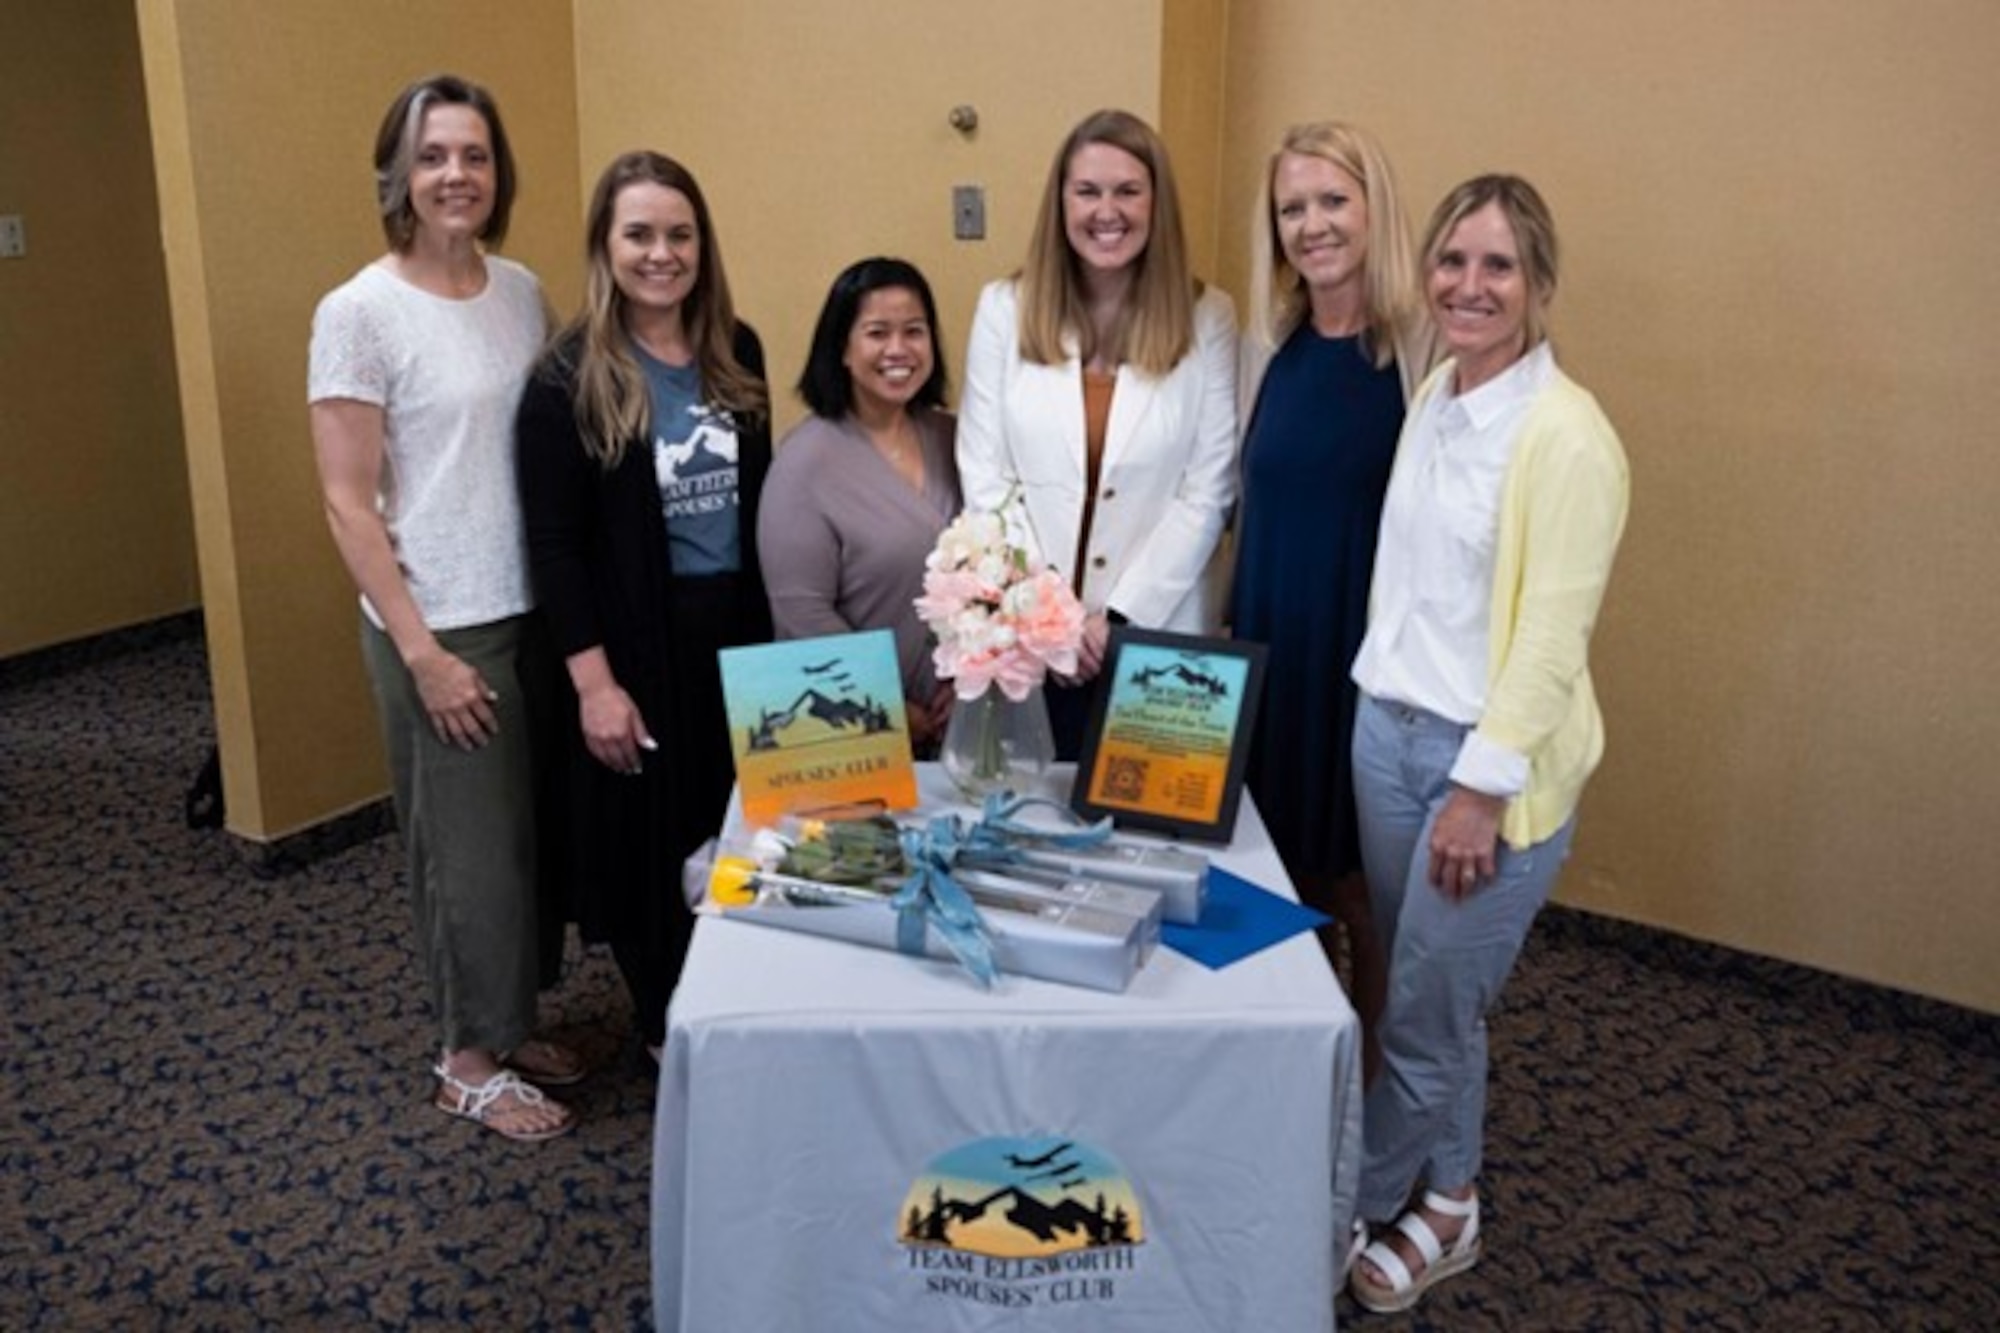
(213, 1108)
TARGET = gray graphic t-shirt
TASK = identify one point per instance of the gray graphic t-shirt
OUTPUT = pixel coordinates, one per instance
(694, 461)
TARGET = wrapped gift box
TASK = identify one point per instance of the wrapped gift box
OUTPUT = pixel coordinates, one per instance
(1179, 876)
(1018, 893)
(1083, 934)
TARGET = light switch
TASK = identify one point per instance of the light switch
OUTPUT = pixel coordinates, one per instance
(13, 237)
(968, 213)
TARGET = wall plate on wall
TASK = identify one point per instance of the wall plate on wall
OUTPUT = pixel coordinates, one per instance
(968, 213)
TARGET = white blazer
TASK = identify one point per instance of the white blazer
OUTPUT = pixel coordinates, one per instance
(1166, 483)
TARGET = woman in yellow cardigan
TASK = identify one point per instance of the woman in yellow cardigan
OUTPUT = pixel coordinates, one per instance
(1478, 726)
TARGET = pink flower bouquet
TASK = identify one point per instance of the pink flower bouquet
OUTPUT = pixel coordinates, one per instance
(996, 621)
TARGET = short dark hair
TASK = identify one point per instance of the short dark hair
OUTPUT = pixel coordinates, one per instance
(396, 152)
(825, 383)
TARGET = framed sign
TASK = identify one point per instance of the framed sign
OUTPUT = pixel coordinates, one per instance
(1169, 733)
(818, 722)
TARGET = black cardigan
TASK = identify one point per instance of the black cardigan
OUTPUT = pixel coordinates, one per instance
(597, 553)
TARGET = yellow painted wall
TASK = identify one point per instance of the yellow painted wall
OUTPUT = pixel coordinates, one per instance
(264, 118)
(1193, 65)
(1777, 279)
(819, 132)
(95, 526)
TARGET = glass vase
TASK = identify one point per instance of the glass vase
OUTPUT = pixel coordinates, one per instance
(994, 744)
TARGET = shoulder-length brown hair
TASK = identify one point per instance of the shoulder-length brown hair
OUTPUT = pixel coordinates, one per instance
(613, 404)
(396, 156)
(1156, 327)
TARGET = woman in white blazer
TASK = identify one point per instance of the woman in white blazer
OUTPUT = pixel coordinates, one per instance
(1100, 395)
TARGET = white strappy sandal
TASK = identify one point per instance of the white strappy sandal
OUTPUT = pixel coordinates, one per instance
(477, 1101)
(1405, 1289)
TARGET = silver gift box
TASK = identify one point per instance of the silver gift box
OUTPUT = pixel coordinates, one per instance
(1179, 876)
(990, 887)
(1054, 936)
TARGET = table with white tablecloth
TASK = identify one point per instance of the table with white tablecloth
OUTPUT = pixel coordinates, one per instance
(854, 1139)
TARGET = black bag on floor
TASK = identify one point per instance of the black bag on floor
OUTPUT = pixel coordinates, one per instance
(204, 795)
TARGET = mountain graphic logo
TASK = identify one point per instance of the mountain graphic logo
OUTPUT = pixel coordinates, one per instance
(1019, 1198)
(828, 707)
(1184, 675)
(714, 434)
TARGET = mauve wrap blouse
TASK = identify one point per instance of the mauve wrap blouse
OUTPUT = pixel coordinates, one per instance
(843, 537)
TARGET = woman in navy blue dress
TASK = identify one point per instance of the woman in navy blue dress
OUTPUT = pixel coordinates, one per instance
(1335, 342)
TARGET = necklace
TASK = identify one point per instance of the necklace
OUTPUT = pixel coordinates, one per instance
(894, 445)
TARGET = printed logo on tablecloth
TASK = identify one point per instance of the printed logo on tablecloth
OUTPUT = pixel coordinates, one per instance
(1022, 1223)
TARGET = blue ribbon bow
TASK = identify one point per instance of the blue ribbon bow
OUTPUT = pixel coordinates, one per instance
(930, 897)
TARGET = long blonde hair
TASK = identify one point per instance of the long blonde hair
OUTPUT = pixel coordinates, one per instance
(1156, 327)
(1397, 324)
(613, 404)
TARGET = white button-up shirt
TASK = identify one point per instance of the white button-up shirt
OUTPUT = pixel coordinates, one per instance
(1432, 597)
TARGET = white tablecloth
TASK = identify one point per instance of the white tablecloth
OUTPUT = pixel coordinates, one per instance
(818, 1099)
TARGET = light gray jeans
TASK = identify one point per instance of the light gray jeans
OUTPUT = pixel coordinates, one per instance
(468, 824)
(1424, 1116)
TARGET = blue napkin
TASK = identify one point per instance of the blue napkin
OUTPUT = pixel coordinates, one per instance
(1239, 919)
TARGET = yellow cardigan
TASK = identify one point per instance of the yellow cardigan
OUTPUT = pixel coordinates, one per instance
(1562, 511)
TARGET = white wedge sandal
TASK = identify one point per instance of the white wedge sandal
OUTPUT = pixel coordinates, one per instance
(1404, 1289)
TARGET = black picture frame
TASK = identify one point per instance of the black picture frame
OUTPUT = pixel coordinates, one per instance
(1169, 733)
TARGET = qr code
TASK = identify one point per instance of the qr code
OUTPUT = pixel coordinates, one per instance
(1124, 778)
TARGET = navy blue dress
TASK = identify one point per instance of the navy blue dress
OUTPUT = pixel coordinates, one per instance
(1315, 467)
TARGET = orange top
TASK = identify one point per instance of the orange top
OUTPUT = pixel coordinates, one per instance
(1097, 389)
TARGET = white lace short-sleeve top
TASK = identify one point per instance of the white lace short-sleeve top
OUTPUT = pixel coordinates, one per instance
(447, 375)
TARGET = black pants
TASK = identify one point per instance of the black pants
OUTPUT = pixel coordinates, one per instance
(1069, 713)
(690, 781)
